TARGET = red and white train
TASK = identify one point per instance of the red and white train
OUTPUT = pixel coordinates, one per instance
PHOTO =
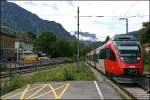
(121, 57)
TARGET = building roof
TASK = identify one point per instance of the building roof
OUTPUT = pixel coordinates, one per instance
(27, 52)
(7, 32)
(19, 36)
(23, 38)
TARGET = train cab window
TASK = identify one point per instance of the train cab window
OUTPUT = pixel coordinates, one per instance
(102, 54)
(111, 55)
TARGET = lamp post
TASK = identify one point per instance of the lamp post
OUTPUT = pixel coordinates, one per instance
(126, 18)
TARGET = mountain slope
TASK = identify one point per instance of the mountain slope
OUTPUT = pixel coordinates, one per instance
(21, 20)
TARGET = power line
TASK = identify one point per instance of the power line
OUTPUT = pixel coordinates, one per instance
(126, 12)
(130, 8)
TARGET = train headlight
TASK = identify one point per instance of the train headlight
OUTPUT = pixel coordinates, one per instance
(121, 58)
(138, 58)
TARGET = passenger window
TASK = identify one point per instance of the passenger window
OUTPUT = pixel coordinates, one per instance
(102, 54)
(95, 58)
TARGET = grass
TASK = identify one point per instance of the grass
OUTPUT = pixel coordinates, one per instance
(15, 82)
(64, 72)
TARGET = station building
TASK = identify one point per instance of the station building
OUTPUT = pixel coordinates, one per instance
(23, 46)
(7, 45)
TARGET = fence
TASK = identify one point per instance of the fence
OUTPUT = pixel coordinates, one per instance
(21, 67)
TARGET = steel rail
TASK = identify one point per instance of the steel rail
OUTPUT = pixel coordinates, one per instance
(129, 91)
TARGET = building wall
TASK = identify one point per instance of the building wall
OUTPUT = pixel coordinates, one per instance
(21, 47)
(7, 41)
(147, 48)
(7, 46)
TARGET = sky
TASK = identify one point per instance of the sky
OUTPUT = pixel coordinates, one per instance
(65, 13)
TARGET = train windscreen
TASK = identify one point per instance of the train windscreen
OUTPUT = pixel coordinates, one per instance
(129, 54)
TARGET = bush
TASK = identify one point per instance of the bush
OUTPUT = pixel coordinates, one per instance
(68, 75)
(82, 58)
(15, 82)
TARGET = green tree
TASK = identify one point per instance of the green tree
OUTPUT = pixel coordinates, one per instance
(30, 35)
(145, 33)
(107, 38)
(62, 48)
(73, 44)
(45, 43)
(83, 50)
(145, 38)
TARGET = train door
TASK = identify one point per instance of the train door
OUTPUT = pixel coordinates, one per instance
(111, 61)
(102, 56)
(97, 60)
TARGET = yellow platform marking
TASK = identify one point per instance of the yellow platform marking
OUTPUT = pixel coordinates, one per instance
(23, 94)
(51, 87)
(48, 92)
(30, 97)
(61, 94)
(4, 97)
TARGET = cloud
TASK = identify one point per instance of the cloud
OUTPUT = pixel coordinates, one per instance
(86, 34)
(30, 3)
(71, 2)
(64, 12)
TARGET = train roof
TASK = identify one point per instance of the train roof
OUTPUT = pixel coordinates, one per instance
(124, 37)
(119, 40)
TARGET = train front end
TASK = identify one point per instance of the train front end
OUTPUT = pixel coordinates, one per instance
(130, 58)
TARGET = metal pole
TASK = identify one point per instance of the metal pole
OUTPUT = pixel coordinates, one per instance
(126, 18)
(126, 25)
(17, 53)
(78, 38)
(23, 52)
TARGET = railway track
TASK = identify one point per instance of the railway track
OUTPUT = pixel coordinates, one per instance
(138, 90)
(29, 68)
(132, 91)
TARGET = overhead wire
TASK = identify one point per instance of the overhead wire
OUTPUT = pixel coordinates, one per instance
(112, 26)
